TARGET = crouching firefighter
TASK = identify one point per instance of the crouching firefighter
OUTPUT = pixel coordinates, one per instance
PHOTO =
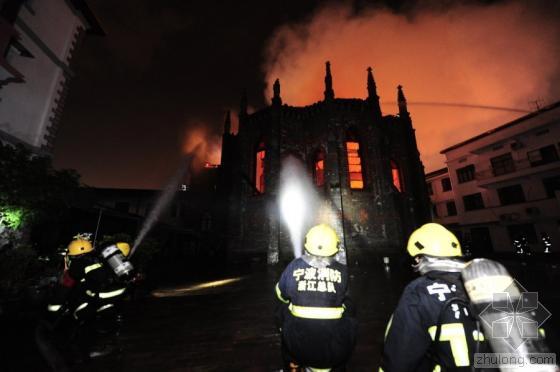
(433, 327)
(316, 329)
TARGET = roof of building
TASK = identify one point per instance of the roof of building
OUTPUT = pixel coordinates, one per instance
(437, 172)
(502, 127)
(94, 25)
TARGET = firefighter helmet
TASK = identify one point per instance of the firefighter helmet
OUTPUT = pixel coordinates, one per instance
(321, 240)
(124, 248)
(79, 246)
(432, 239)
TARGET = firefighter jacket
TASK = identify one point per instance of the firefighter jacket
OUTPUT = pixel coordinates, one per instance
(313, 292)
(317, 329)
(97, 287)
(432, 328)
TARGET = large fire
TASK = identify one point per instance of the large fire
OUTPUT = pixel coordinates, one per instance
(205, 147)
(499, 55)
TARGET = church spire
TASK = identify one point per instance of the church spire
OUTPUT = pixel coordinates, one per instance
(372, 98)
(403, 110)
(329, 92)
(227, 124)
(276, 99)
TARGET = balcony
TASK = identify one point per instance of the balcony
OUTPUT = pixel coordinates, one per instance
(519, 212)
(490, 177)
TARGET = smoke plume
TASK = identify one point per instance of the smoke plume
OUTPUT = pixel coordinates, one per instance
(503, 55)
(203, 146)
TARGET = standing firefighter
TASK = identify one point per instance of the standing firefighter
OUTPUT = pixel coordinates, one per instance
(433, 328)
(317, 331)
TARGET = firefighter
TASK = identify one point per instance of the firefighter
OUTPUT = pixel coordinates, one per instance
(108, 306)
(316, 329)
(433, 327)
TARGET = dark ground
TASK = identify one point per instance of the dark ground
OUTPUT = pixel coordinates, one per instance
(231, 327)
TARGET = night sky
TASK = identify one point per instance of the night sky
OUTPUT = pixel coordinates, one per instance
(167, 71)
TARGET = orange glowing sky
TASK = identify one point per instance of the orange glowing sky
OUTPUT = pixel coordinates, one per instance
(502, 55)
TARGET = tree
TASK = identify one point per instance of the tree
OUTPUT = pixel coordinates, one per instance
(31, 190)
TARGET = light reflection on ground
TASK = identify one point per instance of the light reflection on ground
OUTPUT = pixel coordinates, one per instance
(192, 289)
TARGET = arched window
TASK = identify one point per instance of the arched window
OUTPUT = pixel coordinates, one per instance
(397, 176)
(319, 168)
(259, 167)
(355, 174)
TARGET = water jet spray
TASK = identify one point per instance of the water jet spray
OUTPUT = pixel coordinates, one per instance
(165, 197)
(298, 201)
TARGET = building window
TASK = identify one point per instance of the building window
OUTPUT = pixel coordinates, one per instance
(451, 208)
(473, 202)
(446, 184)
(511, 195)
(354, 165)
(259, 167)
(319, 168)
(525, 230)
(397, 176)
(551, 186)
(502, 164)
(430, 188)
(544, 155)
(465, 174)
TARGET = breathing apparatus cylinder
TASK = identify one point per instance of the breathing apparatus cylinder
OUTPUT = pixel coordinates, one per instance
(497, 300)
(116, 260)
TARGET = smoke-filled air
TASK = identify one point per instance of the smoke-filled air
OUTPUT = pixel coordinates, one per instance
(505, 55)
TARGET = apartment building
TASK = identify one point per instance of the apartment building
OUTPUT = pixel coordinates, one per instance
(503, 185)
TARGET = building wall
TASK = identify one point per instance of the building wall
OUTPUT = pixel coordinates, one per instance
(30, 111)
(505, 219)
(371, 222)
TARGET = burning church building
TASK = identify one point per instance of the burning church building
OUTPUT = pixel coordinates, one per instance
(363, 164)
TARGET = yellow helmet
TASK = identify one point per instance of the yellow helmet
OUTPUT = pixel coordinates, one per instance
(79, 246)
(124, 248)
(433, 239)
(321, 240)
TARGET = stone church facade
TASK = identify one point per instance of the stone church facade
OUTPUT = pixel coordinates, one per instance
(364, 165)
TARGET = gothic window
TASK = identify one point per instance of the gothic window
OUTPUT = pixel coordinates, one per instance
(397, 176)
(354, 165)
(319, 168)
(259, 167)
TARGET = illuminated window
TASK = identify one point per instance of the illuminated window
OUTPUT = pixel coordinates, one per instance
(397, 177)
(259, 168)
(354, 165)
(319, 169)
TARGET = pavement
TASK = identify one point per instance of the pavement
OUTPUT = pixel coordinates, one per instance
(227, 324)
(230, 327)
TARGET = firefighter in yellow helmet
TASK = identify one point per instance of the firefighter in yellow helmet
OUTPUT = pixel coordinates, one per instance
(432, 328)
(118, 273)
(316, 328)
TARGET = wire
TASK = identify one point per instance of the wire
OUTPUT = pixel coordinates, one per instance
(465, 105)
